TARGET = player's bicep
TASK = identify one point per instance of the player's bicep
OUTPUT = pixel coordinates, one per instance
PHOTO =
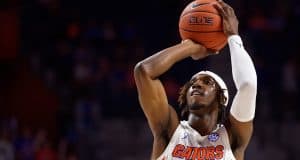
(241, 116)
(154, 102)
(240, 134)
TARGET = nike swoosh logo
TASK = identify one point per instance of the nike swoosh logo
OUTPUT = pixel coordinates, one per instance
(194, 5)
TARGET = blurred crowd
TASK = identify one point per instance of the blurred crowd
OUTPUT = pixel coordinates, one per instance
(86, 52)
(28, 144)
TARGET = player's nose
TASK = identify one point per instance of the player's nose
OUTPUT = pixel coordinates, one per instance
(197, 84)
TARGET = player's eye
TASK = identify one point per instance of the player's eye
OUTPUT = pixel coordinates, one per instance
(209, 81)
(193, 80)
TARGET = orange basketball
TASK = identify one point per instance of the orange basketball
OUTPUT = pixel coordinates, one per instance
(202, 23)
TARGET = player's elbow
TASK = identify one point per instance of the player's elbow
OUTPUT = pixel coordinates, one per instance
(252, 83)
(249, 82)
(140, 70)
(250, 86)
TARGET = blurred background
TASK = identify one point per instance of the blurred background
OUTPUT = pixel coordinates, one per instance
(67, 90)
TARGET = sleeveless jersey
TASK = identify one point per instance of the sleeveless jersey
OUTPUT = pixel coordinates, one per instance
(187, 144)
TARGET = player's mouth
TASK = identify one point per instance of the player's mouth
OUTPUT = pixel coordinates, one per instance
(197, 92)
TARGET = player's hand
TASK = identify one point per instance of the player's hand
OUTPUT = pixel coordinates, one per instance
(230, 21)
(198, 51)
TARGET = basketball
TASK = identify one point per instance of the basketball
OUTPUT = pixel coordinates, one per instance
(201, 22)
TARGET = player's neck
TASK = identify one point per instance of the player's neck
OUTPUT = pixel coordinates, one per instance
(203, 123)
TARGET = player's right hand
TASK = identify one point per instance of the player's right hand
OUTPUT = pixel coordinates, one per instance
(198, 51)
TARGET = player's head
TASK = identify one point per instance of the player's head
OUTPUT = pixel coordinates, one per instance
(204, 89)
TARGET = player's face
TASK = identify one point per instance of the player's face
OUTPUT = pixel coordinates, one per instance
(202, 92)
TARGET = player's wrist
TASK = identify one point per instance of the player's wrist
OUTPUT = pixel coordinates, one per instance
(197, 49)
(235, 39)
(231, 32)
(192, 47)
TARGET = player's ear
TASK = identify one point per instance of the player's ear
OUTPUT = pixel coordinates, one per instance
(223, 99)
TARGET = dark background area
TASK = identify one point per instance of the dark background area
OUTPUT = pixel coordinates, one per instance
(67, 90)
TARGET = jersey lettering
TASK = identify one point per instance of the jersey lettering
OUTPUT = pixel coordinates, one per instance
(198, 153)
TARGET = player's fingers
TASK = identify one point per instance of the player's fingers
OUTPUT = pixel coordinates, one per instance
(212, 52)
(223, 4)
(184, 40)
(227, 8)
(220, 9)
(230, 10)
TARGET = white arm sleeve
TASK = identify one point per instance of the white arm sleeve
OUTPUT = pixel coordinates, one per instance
(244, 77)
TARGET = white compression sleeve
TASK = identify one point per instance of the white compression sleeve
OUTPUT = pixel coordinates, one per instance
(244, 76)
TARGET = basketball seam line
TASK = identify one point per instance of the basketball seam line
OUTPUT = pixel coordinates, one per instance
(201, 31)
(199, 11)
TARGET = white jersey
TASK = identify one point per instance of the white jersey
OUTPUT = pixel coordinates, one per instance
(187, 144)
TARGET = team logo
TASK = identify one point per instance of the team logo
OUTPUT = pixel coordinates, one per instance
(213, 137)
(185, 135)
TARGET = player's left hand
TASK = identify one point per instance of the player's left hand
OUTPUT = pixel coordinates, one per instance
(230, 21)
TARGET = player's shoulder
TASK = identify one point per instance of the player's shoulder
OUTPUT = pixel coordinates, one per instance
(222, 129)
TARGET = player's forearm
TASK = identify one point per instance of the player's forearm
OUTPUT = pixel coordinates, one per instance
(245, 79)
(243, 70)
(160, 62)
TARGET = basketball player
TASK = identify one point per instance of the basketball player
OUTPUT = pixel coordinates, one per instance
(204, 136)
